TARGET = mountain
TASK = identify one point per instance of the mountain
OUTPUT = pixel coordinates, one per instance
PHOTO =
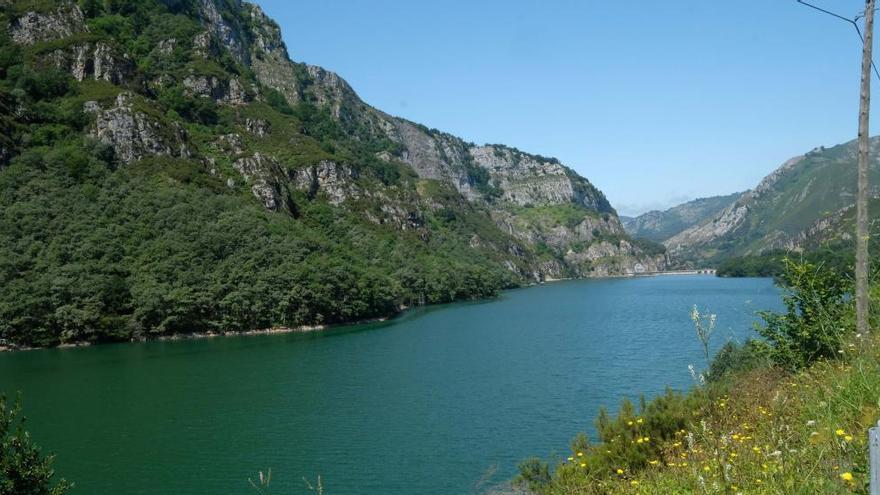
(658, 225)
(800, 196)
(166, 168)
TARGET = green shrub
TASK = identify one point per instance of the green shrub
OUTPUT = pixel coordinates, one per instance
(817, 317)
(277, 101)
(734, 358)
(533, 473)
(23, 468)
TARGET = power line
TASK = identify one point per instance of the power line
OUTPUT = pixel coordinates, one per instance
(853, 21)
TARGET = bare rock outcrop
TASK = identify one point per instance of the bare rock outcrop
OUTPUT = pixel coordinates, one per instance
(34, 27)
(257, 127)
(532, 180)
(134, 134)
(264, 174)
(96, 61)
(227, 92)
(228, 35)
(333, 181)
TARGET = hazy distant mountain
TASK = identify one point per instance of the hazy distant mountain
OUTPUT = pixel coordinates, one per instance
(658, 225)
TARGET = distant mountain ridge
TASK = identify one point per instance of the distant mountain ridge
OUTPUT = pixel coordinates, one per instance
(806, 195)
(658, 225)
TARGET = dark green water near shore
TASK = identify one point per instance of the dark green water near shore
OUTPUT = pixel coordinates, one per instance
(444, 400)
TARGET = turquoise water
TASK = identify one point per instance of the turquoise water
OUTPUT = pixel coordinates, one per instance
(444, 400)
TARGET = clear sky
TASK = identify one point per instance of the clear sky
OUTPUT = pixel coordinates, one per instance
(655, 102)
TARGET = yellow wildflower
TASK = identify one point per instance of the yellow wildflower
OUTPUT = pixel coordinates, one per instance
(839, 432)
(580, 454)
(583, 464)
(847, 476)
(619, 471)
(848, 438)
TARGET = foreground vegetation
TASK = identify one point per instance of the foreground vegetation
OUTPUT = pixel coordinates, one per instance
(23, 468)
(837, 255)
(788, 414)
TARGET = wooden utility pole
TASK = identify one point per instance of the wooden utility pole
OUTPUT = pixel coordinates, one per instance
(862, 301)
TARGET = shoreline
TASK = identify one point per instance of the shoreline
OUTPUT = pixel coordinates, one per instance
(209, 335)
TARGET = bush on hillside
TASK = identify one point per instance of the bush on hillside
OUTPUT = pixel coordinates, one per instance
(734, 358)
(818, 315)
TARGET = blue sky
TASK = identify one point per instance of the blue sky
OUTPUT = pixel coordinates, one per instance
(654, 102)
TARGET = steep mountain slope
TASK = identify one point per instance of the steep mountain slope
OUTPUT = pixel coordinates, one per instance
(661, 225)
(165, 168)
(838, 228)
(781, 210)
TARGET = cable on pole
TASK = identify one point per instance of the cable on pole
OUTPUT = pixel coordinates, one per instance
(853, 21)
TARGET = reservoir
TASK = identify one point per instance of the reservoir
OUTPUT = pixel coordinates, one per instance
(441, 400)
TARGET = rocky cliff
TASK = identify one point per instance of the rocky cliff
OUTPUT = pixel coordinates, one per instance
(492, 176)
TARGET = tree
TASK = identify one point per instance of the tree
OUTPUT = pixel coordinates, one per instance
(23, 469)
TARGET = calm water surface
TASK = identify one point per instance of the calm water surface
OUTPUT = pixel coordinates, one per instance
(440, 401)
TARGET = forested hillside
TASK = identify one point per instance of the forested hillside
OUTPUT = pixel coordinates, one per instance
(165, 168)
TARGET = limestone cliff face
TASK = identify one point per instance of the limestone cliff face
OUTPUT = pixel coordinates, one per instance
(594, 246)
(95, 61)
(33, 27)
(533, 180)
(134, 134)
(491, 176)
(227, 92)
